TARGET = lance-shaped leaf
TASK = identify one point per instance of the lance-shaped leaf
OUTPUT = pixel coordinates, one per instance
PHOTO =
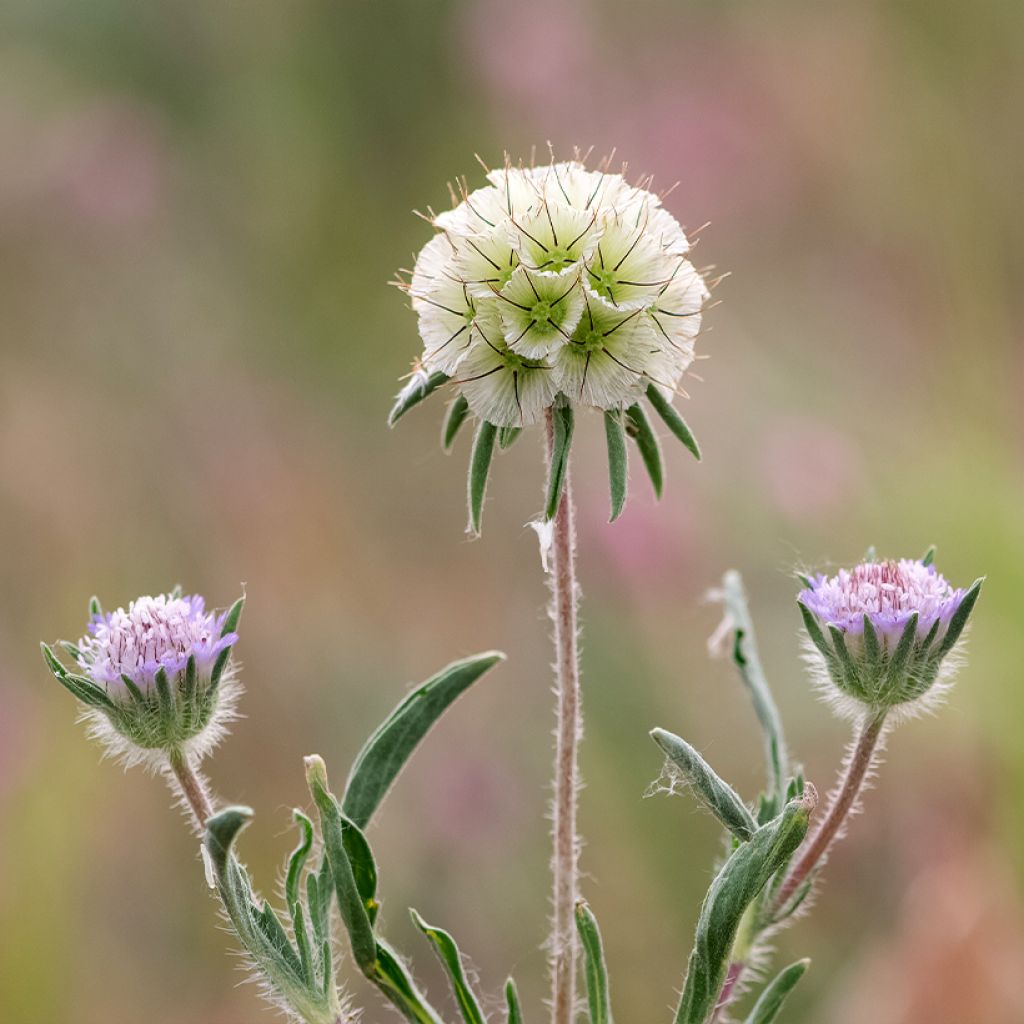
(618, 460)
(769, 1003)
(79, 686)
(351, 902)
(420, 386)
(396, 982)
(451, 959)
(394, 740)
(712, 791)
(230, 625)
(507, 436)
(747, 658)
(639, 428)
(929, 556)
(734, 888)
(594, 969)
(667, 411)
(514, 1014)
(960, 617)
(290, 974)
(479, 469)
(562, 421)
(454, 418)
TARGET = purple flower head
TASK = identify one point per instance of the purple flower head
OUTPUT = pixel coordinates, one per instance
(154, 633)
(882, 630)
(154, 679)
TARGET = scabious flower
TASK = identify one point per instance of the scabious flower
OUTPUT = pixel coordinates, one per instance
(884, 634)
(554, 285)
(155, 678)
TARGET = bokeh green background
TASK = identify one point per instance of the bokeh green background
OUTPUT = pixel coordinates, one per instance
(200, 207)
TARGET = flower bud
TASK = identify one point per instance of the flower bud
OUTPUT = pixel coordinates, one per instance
(155, 678)
(882, 634)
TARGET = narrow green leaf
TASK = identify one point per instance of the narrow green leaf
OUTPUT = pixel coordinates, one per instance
(714, 793)
(849, 667)
(350, 902)
(960, 617)
(302, 943)
(394, 740)
(515, 1012)
(747, 658)
(454, 418)
(396, 982)
(84, 689)
(297, 860)
(769, 1003)
(420, 386)
(451, 959)
(901, 656)
(872, 648)
(816, 635)
(230, 626)
(593, 965)
(562, 422)
(735, 887)
(95, 608)
(165, 699)
(667, 411)
(72, 650)
(929, 556)
(364, 868)
(618, 460)
(507, 436)
(639, 428)
(137, 696)
(479, 468)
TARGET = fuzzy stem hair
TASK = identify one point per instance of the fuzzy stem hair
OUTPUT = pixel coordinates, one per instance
(568, 731)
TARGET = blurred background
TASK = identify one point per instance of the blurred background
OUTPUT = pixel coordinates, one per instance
(200, 207)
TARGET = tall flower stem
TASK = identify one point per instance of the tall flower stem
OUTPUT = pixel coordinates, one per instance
(192, 788)
(564, 612)
(841, 803)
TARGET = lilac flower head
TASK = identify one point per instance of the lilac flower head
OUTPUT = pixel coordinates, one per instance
(154, 633)
(881, 632)
(156, 678)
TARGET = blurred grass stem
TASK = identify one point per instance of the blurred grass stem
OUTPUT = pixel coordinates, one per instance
(568, 730)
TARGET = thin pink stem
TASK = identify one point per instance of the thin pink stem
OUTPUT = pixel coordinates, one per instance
(564, 611)
(842, 801)
(192, 788)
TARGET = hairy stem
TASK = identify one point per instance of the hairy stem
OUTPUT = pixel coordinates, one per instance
(564, 610)
(841, 803)
(192, 788)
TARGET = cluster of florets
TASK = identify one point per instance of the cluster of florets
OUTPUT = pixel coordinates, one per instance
(882, 632)
(556, 280)
(155, 677)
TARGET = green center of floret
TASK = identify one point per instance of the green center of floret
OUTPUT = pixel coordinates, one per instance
(540, 313)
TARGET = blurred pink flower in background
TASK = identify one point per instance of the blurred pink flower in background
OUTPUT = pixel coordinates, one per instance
(808, 469)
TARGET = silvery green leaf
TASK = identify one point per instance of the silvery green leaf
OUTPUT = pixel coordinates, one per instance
(514, 1013)
(639, 428)
(479, 469)
(298, 857)
(960, 617)
(420, 386)
(79, 686)
(667, 411)
(734, 888)
(351, 904)
(618, 460)
(714, 793)
(396, 982)
(95, 608)
(562, 423)
(747, 659)
(594, 968)
(394, 740)
(929, 556)
(451, 959)
(230, 626)
(507, 436)
(769, 1003)
(454, 418)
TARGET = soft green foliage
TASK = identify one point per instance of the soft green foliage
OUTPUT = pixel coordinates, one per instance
(638, 427)
(618, 460)
(769, 1003)
(734, 888)
(393, 742)
(451, 959)
(299, 976)
(594, 969)
(562, 421)
(515, 1013)
(713, 792)
(479, 469)
(667, 411)
(418, 388)
(456, 415)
